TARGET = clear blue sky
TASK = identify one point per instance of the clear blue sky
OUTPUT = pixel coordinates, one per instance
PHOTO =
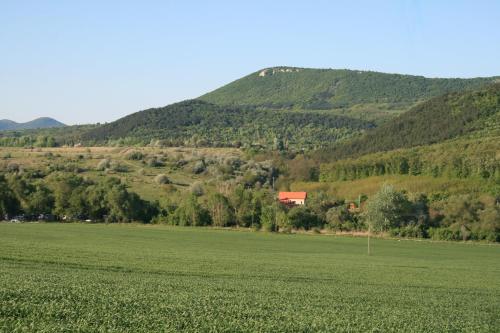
(94, 61)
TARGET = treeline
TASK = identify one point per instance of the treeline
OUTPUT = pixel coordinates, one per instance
(456, 218)
(473, 158)
(69, 197)
(28, 141)
(439, 119)
(46, 137)
(66, 196)
(198, 123)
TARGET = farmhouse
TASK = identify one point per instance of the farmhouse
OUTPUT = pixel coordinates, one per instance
(292, 198)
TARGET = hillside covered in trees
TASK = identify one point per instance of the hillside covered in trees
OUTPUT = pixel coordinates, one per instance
(200, 123)
(326, 89)
(472, 113)
(284, 107)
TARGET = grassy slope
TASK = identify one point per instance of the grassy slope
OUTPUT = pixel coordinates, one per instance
(330, 89)
(141, 183)
(131, 278)
(350, 190)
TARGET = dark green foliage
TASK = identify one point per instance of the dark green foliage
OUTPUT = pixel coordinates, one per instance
(71, 197)
(338, 218)
(319, 89)
(436, 120)
(9, 204)
(190, 213)
(198, 123)
(301, 217)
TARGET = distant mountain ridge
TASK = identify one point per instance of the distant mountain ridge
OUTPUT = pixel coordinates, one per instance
(43, 122)
(329, 89)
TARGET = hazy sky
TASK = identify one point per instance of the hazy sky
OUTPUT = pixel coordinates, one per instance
(95, 61)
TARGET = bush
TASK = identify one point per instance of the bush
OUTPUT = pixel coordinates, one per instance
(154, 162)
(197, 189)
(302, 217)
(444, 234)
(268, 218)
(118, 167)
(13, 167)
(337, 218)
(199, 167)
(134, 155)
(162, 179)
(103, 164)
(409, 231)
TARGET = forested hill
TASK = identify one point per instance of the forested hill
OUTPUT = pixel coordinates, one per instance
(322, 89)
(196, 122)
(441, 118)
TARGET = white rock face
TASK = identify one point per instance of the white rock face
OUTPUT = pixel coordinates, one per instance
(273, 71)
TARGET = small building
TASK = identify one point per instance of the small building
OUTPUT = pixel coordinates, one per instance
(292, 198)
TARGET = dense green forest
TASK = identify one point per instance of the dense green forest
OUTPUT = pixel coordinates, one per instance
(324, 89)
(441, 118)
(198, 123)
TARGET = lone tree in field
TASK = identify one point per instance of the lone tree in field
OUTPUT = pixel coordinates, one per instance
(387, 209)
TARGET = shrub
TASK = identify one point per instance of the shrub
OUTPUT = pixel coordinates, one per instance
(337, 218)
(197, 189)
(155, 162)
(118, 167)
(13, 167)
(134, 155)
(268, 218)
(302, 217)
(162, 179)
(103, 164)
(199, 167)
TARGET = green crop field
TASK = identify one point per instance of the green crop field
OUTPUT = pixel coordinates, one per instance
(135, 278)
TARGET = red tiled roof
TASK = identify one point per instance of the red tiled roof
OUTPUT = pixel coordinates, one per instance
(283, 196)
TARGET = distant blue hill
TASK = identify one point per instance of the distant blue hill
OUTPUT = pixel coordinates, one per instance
(43, 122)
